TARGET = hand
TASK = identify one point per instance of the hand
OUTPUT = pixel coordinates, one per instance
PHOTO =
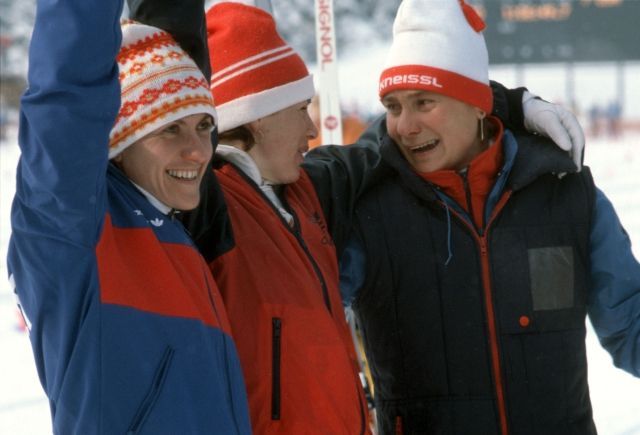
(556, 123)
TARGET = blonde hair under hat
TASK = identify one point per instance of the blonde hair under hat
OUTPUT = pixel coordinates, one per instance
(438, 46)
(159, 84)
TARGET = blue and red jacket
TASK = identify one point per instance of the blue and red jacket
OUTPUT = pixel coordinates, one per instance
(128, 329)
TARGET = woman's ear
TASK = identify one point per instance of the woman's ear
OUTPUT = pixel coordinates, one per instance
(255, 128)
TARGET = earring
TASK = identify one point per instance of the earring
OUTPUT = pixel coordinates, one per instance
(482, 129)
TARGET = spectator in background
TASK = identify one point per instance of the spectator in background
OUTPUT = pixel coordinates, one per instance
(613, 115)
(3, 123)
(595, 120)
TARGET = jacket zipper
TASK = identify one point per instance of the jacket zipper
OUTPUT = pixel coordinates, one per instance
(486, 280)
(275, 410)
(325, 294)
(276, 338)
(316, 268)
(494, 347)
(467, 194)
(295, 231)
(493, 335)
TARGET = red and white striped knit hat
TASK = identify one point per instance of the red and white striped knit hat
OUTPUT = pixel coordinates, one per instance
(255, 73)
(159, 84)
(438, 46)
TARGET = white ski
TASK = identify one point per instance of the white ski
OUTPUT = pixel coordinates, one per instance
(327, 75)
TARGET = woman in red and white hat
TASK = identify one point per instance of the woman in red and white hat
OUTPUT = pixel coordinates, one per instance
(280, 279)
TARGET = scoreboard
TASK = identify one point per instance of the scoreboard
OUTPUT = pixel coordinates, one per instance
(537, 31)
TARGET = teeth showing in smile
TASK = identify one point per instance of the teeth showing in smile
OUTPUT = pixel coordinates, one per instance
(183, 175)
(427, 146)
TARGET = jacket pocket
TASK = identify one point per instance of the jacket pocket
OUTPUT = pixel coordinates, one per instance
(152, 395)
(276, 337)
(551, 274)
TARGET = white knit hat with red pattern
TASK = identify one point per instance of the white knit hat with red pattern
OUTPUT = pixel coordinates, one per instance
(438, 46)
(159, 84)
(255, 73)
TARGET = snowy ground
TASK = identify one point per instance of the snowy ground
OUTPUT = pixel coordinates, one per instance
(615, 394)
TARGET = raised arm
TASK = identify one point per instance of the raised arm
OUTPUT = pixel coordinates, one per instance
(66, 115)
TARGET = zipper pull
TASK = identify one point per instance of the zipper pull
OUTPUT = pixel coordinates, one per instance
(483, 246)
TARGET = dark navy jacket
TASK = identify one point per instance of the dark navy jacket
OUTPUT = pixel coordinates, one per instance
(464, 330)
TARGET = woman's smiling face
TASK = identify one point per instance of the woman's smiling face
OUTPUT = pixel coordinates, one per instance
(169, 162)
(433, 131)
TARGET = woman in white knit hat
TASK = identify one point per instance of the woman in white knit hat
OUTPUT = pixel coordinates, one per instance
(474, 263)
(128, 329)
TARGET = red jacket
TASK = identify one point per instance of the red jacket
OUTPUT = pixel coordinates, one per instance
(280, 287)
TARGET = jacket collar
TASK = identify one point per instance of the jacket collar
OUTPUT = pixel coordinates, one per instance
(534, 157)
(155, 202)
(247, 165)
